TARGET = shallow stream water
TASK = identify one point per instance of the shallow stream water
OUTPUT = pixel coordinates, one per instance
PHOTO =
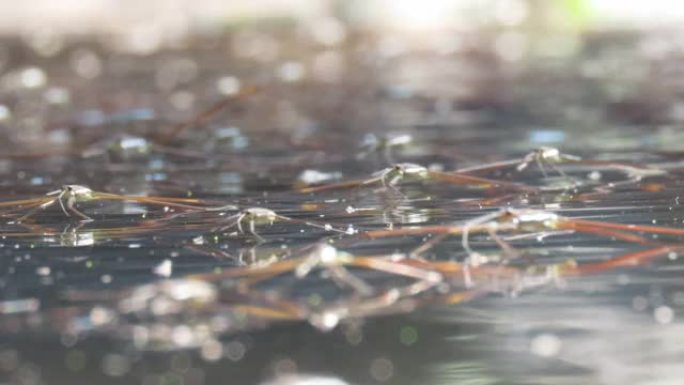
(131, 296)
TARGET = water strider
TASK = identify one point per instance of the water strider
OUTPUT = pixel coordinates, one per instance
(69, 195)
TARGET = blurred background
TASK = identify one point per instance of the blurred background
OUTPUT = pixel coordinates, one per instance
(179, 17)
(561, 63)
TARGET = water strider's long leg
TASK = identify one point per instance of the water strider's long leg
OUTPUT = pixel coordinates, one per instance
(252, 229)
(402, 267)
(312, 224)
(559, 171)
(610, 233)
(490, 167)
(182, 203)
(234, 220)
(540, 165)
(26, 202)
(343, 277)
(33, 207)
(71, 202)
(42, 206)
(415, 253)
(505, 246)
(339, 186)
(60, 198)
(629, 259)
(471, 180)
(238, 223)
(205, 115)
(570, 222)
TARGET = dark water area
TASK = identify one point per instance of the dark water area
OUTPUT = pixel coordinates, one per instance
(166, 282)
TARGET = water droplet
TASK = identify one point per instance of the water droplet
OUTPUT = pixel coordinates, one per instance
(664, 314)
(228, 85)
(33, 77)
(546, 345)
(164, 269)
